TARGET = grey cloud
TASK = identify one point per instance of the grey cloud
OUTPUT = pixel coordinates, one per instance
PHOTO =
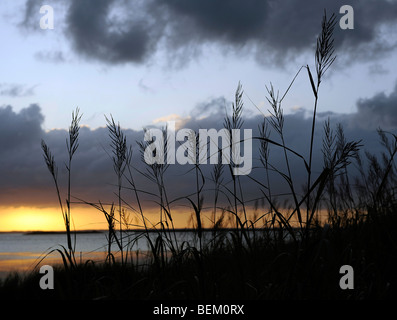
(20, 167)
(25, 179)
(232, 21)
(378, 111)
(96, 35)
(50, 56)
(31, 12)
(213, 106)
(377, 69)
(122, 31)
(144, 87)
(16, 90)
(19, 129)
(30, 21)
(297, 137)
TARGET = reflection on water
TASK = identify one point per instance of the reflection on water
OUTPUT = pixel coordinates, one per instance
(22, 252)
(24, 262)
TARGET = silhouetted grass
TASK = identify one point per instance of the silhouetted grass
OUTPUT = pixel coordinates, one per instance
(267, 271)
(71, 145)
(274, 254)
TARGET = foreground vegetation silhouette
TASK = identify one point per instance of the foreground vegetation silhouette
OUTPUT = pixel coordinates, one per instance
(289, 253)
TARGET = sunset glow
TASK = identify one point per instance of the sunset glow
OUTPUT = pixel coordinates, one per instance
(84, 218)
(46, 219)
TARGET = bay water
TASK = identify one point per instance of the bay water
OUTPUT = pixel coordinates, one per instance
(22, 252)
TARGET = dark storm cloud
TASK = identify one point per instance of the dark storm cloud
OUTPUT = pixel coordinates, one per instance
(297, 133)
(97, 34)
(24, 178)
(19, 129)
(232, 22)
(119, 31)
(20, 168)
(278, 30)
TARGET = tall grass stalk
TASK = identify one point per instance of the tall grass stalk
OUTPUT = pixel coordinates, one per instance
(324, 58)
(72, 145)
(131, 181)
(235, 122)
(121, 159)
(155, 173)
(217, 178)
(264, 153)
(277, 122)
(198, 208)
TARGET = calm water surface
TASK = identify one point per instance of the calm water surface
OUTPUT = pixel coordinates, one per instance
(22, 251)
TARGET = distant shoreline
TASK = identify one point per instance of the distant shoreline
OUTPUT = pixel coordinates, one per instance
(131, 230)
(38, 232)
(61, 232)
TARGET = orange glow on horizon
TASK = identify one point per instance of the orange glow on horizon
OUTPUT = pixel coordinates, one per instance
(47, 219)
(26, 219)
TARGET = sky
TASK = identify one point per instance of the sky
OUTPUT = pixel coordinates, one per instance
(148, 62)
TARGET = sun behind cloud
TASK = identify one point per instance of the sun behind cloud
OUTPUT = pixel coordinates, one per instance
(179, 120)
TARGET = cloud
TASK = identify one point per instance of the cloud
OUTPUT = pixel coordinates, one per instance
(277, 31)
(30, 20)
(122, 31)
(213, 106)
(25, 179)
(19, 129)
(19, 166)
(16, 90)
(176, 118)
(377, 69)
(100, 33)
(378, 111)
(50, 56)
